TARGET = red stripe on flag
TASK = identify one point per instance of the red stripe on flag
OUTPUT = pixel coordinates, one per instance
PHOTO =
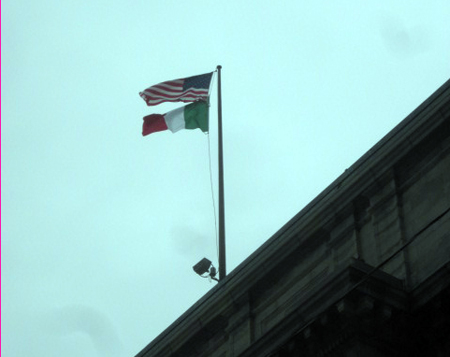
(153, 123)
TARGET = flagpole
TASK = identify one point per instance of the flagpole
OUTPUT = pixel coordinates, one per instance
(222, 255)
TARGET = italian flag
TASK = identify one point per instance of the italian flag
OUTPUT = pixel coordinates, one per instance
(191, 116)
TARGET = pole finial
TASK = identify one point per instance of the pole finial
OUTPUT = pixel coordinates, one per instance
(219, 67)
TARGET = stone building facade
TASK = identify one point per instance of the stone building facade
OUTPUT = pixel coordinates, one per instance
(363, 270)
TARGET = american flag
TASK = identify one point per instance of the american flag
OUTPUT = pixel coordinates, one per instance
(179, 90)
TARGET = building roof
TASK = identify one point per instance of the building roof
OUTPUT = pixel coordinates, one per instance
(365, 174)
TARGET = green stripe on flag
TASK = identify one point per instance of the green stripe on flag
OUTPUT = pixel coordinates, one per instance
(196, 116)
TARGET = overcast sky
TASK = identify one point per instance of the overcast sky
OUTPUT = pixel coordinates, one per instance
(101, 226)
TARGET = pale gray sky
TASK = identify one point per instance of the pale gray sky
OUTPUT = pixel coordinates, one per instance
(100, 226)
